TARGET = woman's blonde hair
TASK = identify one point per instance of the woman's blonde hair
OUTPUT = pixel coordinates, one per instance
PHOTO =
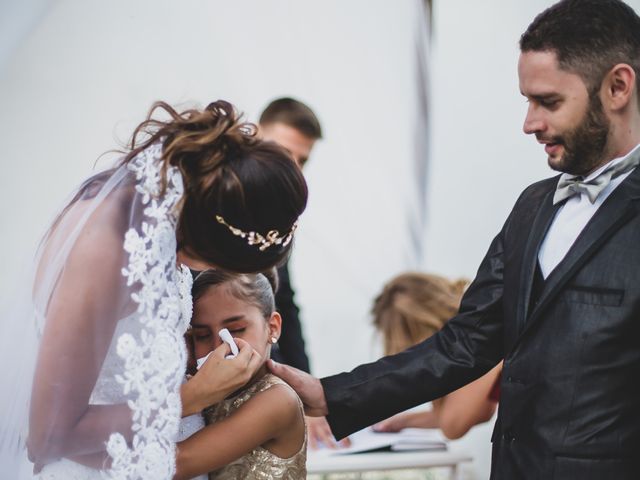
(414, 306)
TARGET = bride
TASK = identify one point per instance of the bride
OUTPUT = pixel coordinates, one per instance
(94, 354)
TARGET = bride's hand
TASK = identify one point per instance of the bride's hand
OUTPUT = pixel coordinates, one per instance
(218, 377)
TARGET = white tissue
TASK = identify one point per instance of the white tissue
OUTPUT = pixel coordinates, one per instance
(226, 337)
(200, 361)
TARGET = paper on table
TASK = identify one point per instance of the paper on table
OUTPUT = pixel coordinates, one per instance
(420, 439)
(367, 440)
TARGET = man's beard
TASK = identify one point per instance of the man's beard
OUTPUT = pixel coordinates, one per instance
(584, 146)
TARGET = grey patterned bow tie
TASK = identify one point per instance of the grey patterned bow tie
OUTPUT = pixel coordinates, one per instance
(570, 185)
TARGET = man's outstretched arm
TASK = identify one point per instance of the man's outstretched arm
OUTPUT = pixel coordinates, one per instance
(465, 349)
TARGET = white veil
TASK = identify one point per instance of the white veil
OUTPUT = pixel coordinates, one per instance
(93, 353)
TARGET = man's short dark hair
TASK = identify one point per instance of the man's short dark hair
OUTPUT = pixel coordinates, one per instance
(589, 37)
(293, 113)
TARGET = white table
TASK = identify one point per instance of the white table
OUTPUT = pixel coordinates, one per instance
(321, 464)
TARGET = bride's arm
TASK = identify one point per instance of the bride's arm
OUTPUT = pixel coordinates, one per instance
(80, 321)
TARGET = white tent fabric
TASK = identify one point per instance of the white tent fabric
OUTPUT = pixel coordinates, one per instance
(84, 72)
(76, 74)
(88, 71)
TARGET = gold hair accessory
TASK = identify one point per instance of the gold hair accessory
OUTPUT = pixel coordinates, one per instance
(273, 237)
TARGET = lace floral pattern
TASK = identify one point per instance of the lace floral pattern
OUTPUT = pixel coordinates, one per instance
(155, 358)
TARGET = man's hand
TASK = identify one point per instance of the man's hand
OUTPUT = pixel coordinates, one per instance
(308, 388)
(319, 432)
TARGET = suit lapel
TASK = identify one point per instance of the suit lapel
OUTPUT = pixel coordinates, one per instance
(617, 209)
(538, 231)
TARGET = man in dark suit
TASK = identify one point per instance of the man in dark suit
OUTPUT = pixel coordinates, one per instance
(293, 125)
(558, 294)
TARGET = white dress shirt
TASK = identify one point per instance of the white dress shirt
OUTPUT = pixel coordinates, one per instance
(571, 219)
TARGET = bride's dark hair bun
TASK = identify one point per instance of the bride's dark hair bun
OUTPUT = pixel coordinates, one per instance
(230, 174)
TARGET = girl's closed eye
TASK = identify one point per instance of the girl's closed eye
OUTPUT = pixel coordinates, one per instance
(234, 331)
(201, 334)
(236, 326)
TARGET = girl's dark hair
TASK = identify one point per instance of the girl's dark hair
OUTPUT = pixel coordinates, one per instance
(229, 173)
(254, 289)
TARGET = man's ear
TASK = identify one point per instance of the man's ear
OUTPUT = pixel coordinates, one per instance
(618, 87)
(275, 325)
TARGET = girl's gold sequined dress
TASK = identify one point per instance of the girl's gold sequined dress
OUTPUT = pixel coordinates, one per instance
(260, 463)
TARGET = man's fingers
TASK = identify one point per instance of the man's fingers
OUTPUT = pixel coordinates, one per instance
(275, 367)
(286, 373)
(308, 388)
(279, 371)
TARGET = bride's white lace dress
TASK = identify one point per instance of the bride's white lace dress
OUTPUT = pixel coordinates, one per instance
(151, 302)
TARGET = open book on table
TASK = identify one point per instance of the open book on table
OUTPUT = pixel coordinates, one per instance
(408, 439)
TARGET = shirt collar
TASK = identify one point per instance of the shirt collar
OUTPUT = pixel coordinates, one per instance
(609, 164)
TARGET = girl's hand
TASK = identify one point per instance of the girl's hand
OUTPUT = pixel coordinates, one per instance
(218, 377)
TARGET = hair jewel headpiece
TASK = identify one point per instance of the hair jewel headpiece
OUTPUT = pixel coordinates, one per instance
(272, 237)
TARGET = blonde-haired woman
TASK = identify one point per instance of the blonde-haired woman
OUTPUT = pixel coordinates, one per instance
(411, 308)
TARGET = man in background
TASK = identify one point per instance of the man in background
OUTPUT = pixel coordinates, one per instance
(294, 126)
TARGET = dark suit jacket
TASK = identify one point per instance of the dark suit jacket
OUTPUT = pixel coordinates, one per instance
(570, 390)
(290, 349)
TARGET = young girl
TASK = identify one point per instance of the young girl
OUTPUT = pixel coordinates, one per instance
(411, 308)
(259, 431)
